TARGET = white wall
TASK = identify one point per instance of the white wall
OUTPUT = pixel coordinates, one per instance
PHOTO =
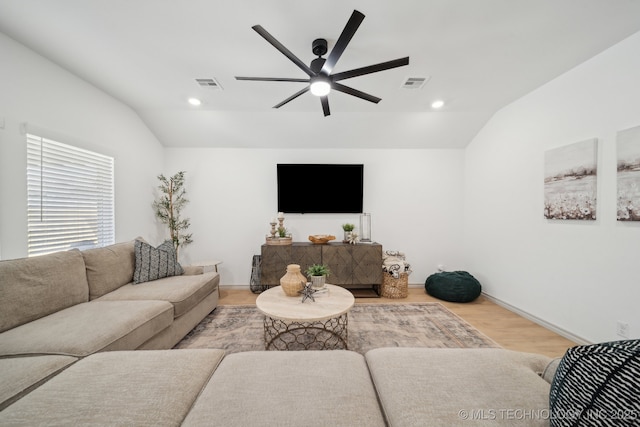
(579, 276)
(35, 91)
(414, 197)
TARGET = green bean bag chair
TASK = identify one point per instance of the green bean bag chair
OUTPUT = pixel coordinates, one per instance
(453, 286)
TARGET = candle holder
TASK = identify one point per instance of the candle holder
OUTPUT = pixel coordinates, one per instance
(275, 237)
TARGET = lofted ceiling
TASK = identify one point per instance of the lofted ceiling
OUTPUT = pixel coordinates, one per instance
(478, 56)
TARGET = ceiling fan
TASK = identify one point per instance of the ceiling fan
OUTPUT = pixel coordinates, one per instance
(321, 80)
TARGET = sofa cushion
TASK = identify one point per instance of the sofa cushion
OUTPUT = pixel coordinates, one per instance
(451, 387)
(155, 263)
(31, 288)
(20, 375)
(109, 268)
(599, 384)
(289, 388)
(184, 292)
(122, 388)
(88, 328)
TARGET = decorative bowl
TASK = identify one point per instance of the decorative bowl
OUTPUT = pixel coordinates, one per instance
(321, 239)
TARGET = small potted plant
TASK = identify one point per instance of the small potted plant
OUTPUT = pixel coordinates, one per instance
(348, 228)
(318, 274)
(283, 232)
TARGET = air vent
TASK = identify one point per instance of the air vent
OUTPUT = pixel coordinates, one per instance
(414, 82)
(209, 84)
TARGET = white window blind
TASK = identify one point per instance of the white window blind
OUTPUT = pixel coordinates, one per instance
(69, 197)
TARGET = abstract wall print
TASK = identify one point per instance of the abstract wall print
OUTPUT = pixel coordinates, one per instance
(570, 189)
(629, 174)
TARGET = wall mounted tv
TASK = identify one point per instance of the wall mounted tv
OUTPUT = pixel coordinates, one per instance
(320, 188)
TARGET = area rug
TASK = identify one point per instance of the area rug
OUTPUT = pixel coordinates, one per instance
(240, 328)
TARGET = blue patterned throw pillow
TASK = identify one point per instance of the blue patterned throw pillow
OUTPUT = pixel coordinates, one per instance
(155, 263)
(597, 385)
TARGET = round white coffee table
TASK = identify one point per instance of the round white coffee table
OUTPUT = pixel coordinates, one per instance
(290, 324)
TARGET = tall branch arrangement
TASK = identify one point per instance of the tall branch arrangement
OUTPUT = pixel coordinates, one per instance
(169, 206)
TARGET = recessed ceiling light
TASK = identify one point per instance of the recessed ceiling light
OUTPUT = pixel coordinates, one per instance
(437, 104)
(194, 101)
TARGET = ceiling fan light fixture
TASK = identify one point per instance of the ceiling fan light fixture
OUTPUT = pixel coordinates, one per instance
(321, 77)
(320, 86)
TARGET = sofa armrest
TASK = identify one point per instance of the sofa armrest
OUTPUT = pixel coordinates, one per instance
(208, 265)
(192, 270)
(550, 371)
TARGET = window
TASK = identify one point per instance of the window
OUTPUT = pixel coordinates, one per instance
(69, 197)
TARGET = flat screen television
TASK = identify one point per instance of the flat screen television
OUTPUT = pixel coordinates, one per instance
(320, 188)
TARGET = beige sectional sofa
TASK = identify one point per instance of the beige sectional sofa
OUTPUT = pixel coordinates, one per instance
(70, 321)
(395, 386)
(57, 308)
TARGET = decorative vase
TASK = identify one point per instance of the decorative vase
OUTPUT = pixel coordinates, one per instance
(317, 282)
(293, 281)
(347, 234)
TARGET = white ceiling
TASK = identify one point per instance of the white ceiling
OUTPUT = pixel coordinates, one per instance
(480, 55)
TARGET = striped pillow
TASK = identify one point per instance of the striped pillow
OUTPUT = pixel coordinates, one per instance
(597, 385)
(155, 263)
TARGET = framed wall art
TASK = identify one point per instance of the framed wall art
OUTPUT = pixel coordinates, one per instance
(628, 175)
(570, 181)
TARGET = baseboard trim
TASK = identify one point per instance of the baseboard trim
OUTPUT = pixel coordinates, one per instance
(562, 332)
(235, 287)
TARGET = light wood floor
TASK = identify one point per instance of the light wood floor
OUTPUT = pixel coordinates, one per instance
(508, 329)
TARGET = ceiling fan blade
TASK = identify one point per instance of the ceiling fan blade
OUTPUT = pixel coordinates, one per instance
(286, 52)
(371, 69)
(344, 39)
(324, 100)
(272, 79)
(292, 97)
(355, 92)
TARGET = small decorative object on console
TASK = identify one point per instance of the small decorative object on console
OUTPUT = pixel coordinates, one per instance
(280, 235)
(365, 228)
(321, 239)
(353, 238)
(347, 228)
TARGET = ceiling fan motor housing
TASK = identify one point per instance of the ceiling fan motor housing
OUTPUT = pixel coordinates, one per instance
(316, 64)
(319, 47)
